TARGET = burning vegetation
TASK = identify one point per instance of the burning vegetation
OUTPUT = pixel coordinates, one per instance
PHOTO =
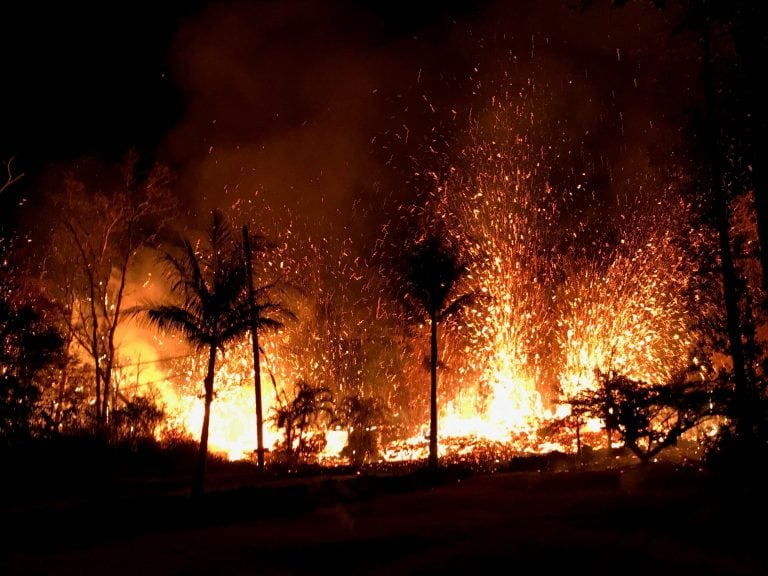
(343, 371)
(502, 309)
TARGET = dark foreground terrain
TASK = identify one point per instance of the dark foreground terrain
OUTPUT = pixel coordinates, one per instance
(658, 520)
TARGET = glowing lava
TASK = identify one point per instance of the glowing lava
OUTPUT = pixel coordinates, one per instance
(560, 301)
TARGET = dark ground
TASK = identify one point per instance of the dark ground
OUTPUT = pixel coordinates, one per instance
(659, 520)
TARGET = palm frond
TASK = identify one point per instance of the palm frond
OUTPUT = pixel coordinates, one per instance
(275, 312)
(169, 318)
(458, 305)
(432, 269)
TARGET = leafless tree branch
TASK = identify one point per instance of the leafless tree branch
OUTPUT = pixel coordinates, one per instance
(11, 179)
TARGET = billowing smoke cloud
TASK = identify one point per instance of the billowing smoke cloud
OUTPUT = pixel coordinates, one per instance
(284, 101)
(324, 107)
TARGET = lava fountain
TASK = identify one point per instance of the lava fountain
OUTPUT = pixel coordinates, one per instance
(563, 299)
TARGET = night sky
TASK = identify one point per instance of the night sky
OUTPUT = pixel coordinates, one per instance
(83, 78)
(322, 106)
(332, 115)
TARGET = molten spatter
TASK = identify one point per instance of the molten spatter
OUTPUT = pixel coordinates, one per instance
(559, 299)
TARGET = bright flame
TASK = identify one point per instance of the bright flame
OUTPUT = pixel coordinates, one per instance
(559, 302)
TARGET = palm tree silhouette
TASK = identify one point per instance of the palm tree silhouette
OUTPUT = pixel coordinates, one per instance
(210, 309)
(432, 271)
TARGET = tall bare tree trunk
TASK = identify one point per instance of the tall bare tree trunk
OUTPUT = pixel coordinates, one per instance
(761, 207)
(433, 456)
(743, 409)
(112, 323)
(256, 362)
(100, 423)
(198, 485)
(752, 46)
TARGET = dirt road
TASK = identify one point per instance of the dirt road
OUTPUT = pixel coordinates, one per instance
(615, 523)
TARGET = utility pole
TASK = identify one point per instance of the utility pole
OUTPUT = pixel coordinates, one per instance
(255, 341)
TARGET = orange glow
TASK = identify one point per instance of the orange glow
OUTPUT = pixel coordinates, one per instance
(625, 318)
(557, 304)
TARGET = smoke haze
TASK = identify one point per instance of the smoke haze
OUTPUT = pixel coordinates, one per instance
(329, 109)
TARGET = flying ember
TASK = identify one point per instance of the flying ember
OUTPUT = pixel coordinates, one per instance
(562, 297)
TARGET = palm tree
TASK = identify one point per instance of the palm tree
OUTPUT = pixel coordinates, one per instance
(300, 416)
(433, 269)
(211, 307)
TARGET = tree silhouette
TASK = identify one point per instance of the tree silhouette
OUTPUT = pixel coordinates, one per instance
(264, 313)
(363, 416)
(299, 416)
(432, 271)
(104, 216)
(648, 418)
(11, 178)
(212, 307)
(28, 343)
(726, 135)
